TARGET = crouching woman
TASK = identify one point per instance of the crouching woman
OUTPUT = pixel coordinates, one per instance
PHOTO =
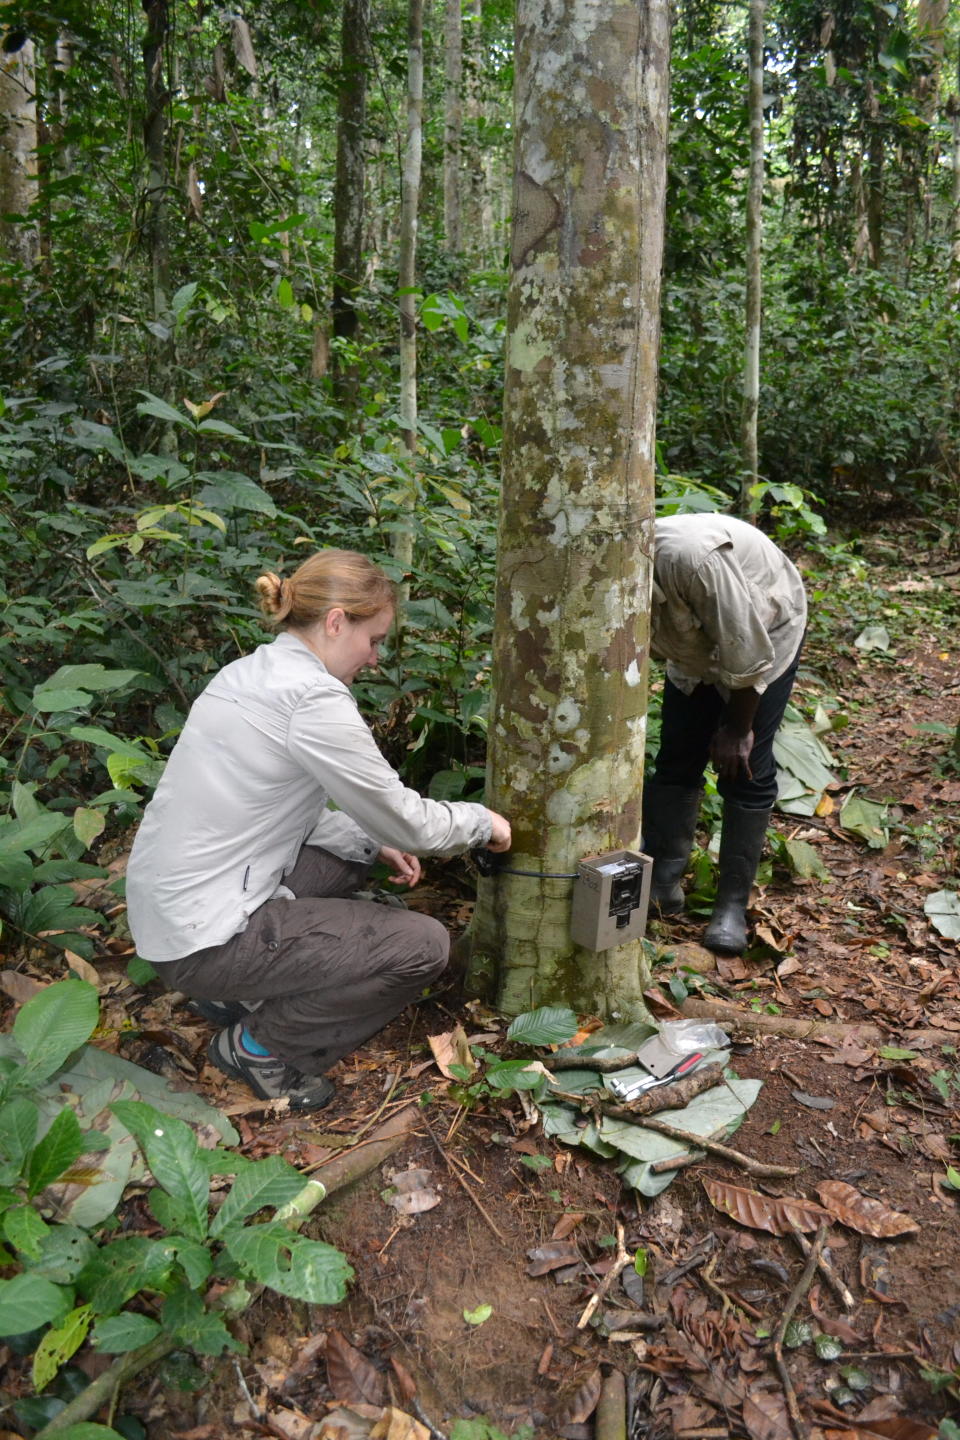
(240, 879)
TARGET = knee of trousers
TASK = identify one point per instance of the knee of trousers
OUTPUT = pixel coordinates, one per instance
(423, 948)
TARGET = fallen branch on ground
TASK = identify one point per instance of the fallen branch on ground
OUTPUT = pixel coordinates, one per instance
(749, 1022)
(623, 1259)
(745, 1162)
(662, 1097)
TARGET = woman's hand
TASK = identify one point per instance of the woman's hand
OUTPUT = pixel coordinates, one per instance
(406, 868)
(500, 836)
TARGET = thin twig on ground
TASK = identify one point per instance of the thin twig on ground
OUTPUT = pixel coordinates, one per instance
(461, 1182)
(793, 1300)
(745, 1162)
(622, 1260)
(827, 1271)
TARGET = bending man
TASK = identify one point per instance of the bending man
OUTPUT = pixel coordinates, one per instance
(728, 616)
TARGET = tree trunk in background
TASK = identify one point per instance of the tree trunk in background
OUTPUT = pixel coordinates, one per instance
(955, 216)
(754, 292)
(409, 205)
(348, 190)
(18, 154)
(154, 144)
(568, 722)
(452, 124)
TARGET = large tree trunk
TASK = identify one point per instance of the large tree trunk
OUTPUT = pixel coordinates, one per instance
(348, 190)
(751, 358)
(409, 206)
(18, 154)
(568, 724)
(452, 123)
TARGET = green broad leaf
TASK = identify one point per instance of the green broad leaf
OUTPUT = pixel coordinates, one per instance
(56, 1152)
(88, 824)
(550, 1025)
(953, 1177)
(478, 1316)
(28, 1301)
(943, 911)
(184, 298)
(797, 1333)
(22, 835)
(58, 1344)
(160, 410)
(16, 872)
(50, 700)
(896, 1052)
(220, 427)
(126, 772)
(285, 296)
(231, 490)
(64, 1251)
(864, 818)
(88, 677)
(19, 1122)
(290, 1264)
(25, 1230)
(172, 1153)
(432, 314)
(93, 735)
(119, 1334)
(272, 1182)
(53, 1024)
(828, 1347)
(140, 971)
(186, 1317)
(118, 1271)
(194, 1258)
(105, 543)
(641, 1262)
(805, 860)
(513, 1075)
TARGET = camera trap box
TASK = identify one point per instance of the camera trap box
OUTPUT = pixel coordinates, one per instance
(610, 899)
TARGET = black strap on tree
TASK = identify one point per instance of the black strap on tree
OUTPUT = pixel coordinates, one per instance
(489, 862)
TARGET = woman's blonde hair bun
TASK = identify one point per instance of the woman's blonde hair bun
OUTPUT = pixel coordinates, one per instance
(328, 580)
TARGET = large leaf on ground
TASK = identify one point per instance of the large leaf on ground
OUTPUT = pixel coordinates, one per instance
(119, 1270)
(861, 1213)
(91, 1189)
(290, 1264)
(53, 1024)
(803, 768)
(943, 911)
(186, 1317)
(716, 1112)
(777, 1214)
(550, 1025)
(865, 818)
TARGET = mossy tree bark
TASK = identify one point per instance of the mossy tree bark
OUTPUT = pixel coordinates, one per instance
(568, 721)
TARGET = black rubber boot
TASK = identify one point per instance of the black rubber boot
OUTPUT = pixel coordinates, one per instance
(669, 826)
(741, 845)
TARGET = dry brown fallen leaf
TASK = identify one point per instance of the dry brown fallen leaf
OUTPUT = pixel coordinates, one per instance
(552, 1256)
(452, 1048)
(396, 1424)
(350, 1374)
(582, 1402)
(765, 1415)
(860, 1213)
(776, 1214)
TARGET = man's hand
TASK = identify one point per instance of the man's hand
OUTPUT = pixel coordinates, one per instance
(729, 750)
(406, 868)
(500, 836)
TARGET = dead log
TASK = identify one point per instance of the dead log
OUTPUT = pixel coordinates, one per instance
(750, 1023)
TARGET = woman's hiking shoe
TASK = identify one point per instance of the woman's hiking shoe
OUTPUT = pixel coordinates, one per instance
(268, 1076)
(219, 1012)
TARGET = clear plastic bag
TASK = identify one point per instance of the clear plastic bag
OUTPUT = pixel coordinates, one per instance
(684, 1037)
